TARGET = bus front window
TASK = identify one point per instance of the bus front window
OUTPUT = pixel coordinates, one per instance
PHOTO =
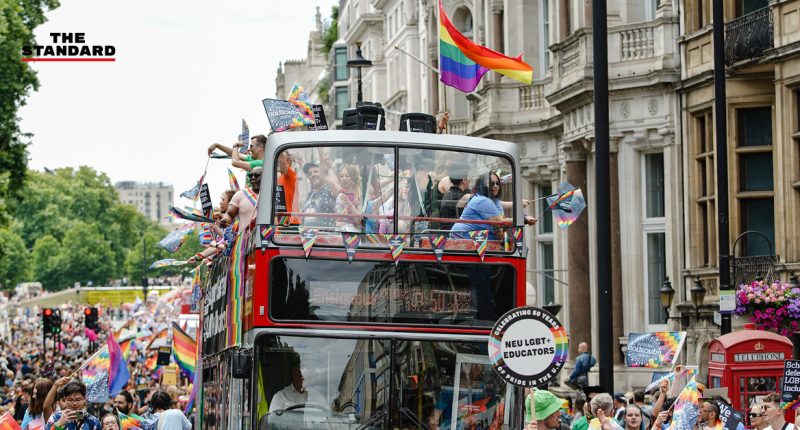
(344, 383)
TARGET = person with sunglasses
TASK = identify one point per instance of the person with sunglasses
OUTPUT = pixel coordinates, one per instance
(773, 413)
(248, 162)
(243, 203)
(484, 205)
(756, 416)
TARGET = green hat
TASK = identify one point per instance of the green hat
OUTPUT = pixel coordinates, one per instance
(546, 403)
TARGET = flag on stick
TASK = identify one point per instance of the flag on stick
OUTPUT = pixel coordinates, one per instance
(463, 62)
(184, 349)
(118, 374)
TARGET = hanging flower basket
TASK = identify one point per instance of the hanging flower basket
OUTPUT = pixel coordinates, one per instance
(774, 307)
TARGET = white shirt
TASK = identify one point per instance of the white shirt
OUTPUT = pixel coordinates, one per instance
(173, 419)
(289, 396)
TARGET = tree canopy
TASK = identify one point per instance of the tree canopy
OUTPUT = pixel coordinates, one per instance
(70, 226)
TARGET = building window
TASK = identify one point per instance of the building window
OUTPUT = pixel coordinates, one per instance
(653, 230)
(342, 101)
(704, 187)
(650, 8)
(743, 7)
(544, 7)
(796, 137)
(699, 16)
(340, 64)
(755, 193)
(544, 250)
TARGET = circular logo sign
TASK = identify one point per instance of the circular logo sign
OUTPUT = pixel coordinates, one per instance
(528, 346)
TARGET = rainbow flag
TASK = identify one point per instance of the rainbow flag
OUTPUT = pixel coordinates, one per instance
(7, 422)
(233, 184)
(687, 408)
(152, 362)
(129, 422)
(94, 373)
(118, 374)
(184, 349)
(463, 62)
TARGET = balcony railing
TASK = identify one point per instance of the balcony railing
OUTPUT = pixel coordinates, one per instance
(748, 36)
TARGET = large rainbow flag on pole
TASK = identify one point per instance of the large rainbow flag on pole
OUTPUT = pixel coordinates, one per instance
(184, 349)
(462, 62)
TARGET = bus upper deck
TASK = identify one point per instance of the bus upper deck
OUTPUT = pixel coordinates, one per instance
(382, 337)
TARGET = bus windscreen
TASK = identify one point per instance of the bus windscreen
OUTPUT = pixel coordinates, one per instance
(387, 190)
(382, 292)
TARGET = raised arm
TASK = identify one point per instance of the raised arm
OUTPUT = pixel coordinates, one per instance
(226, 149)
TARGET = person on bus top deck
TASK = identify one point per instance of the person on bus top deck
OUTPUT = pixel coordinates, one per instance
(295, 394)
(243, 203)
(287, 179)
(247, 162)
(483, 205)
(459, 180)
(319, 198)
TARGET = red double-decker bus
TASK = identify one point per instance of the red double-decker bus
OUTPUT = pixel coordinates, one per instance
(334, 312)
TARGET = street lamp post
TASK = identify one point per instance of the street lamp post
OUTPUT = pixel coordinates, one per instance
(358, 63)
(144, 268)
(698, 294)
(666, 294)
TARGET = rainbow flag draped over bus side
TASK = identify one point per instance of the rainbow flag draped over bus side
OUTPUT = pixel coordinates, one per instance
(184, 349)
(463, 62)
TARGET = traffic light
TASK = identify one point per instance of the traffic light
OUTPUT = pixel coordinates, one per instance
(51, 320)
(47, 321)
(90, 318)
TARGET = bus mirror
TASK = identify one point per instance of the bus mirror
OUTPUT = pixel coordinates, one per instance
(242, 364)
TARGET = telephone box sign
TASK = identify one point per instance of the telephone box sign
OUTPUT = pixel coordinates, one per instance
(528, 346)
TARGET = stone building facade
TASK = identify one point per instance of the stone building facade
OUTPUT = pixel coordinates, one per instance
(153, 199)
(661, 94)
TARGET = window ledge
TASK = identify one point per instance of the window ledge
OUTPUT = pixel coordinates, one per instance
(755, 194)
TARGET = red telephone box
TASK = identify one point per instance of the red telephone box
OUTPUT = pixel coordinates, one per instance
(750, 364)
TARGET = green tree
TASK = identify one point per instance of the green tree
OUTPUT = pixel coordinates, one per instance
(330, 32)
(85, 255)
(15, 261)
(44, 265)
(18, 19)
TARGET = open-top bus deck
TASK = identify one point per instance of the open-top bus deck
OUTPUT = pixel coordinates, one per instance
(333, 311)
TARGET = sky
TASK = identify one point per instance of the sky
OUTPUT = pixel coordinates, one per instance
(186, 74)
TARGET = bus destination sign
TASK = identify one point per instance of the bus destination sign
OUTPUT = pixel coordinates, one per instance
(528, 347)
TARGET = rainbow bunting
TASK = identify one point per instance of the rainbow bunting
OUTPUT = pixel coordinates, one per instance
(233, 184)
(438, 242)
(515, 233)
(267, 231)
(463, 62)
(480, 238)
(129, 422)
(351, 242)
(687, 408)
(184, 349)
(205, 236)
(396, 244)
(308, 236)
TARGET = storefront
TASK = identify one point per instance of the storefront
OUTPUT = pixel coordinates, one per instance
(749, 363)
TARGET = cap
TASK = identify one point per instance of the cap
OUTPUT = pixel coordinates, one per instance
(620, 396)
(308, 166)
(546, 403)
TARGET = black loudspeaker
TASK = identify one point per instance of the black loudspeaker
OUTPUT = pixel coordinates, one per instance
(242, 364)
(367, 116)
(418, 123)
(163, 355)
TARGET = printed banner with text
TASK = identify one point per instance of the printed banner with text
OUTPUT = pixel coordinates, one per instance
(659, 349)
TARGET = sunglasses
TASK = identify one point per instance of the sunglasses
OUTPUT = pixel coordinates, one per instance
(254, 175)
(494, 184)
(754, 415)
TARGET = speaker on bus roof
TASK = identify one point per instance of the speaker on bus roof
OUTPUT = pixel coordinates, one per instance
(418, 123)
(366, 116)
